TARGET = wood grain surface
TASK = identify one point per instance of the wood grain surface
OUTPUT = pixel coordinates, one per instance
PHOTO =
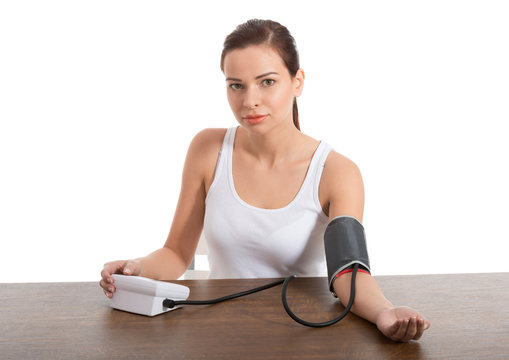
(469, 315)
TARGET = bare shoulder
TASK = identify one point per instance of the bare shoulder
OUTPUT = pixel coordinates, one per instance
(203, 153)
(341, 187)
(208, 139)
(205, 145)
(340, 168)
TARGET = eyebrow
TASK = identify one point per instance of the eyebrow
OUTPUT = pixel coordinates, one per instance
(259, 76)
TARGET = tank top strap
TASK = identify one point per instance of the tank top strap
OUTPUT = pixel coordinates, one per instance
(229, 138)
(226, 149)
(324, 151)
(220, 175)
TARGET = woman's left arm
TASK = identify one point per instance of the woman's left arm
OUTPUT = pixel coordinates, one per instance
(343, 188)
(397, 323)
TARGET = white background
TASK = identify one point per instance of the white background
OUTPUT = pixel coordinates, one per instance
(100, 99)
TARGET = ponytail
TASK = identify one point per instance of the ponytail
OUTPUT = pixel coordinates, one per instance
(295, 114)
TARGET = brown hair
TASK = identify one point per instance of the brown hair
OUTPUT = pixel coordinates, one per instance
(257, 32)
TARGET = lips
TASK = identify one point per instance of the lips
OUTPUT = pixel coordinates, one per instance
(255, 119)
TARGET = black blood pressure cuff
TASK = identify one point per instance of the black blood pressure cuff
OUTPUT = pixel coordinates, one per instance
(345, 245)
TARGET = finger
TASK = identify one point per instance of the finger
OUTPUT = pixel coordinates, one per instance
(128, 268)
(391, 331)
(102, 284)
(131, 268)
(107, 288)
(106, 276)
(421, 326)
(411, 330)
(400, 334)
(114, 267)
(108, 294)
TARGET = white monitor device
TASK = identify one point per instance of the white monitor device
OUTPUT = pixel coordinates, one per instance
(145, 296)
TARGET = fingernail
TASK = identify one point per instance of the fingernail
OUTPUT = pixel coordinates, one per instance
(110, 289)
(127, 271)
(110, 280)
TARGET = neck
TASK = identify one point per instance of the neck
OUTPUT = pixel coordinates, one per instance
(275, 146)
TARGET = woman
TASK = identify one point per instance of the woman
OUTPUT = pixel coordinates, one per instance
(264, 202)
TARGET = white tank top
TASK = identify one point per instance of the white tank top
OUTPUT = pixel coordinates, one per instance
(245, 241)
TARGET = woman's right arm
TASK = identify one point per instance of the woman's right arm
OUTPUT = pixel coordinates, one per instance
(172, 260)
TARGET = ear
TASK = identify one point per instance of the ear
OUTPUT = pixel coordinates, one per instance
(298, 82)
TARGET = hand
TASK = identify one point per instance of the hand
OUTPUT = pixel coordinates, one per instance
(402, 324)
(125, 267)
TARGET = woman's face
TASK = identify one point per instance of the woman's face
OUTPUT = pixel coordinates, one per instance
(259, 87)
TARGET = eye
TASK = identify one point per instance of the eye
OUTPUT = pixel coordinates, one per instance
(268, 82)
(235, 86)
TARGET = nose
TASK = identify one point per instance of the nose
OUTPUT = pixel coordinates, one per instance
(252, 98)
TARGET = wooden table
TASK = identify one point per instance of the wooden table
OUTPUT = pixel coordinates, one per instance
(469, 315)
